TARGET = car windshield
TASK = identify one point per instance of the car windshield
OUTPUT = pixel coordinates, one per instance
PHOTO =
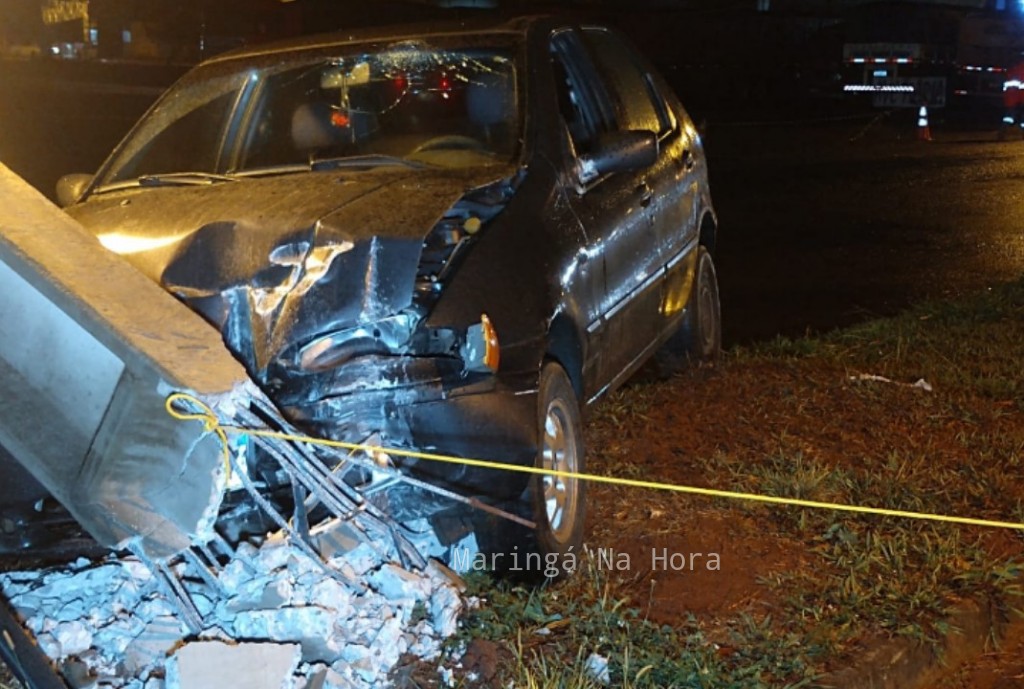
(405, 103)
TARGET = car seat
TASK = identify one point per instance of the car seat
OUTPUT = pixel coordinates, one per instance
(491, 105)
(312, 129)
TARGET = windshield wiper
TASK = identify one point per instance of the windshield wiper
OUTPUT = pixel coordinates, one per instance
(169, 179)
(183, 179)
(368, 160)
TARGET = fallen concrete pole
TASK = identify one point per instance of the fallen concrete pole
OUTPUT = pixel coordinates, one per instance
(89, 350)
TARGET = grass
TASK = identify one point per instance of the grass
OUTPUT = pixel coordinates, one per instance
(801, 426)
(557, 628)
(972, 344)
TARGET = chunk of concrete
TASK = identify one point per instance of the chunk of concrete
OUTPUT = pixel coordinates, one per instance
(314, 628)
(217, 665)
(395, 583)
(445, 606)
(152, 645)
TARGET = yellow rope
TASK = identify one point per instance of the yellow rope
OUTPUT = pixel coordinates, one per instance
(212, 423)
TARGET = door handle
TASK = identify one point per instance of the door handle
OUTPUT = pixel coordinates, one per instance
(646, 194)
(689, 161)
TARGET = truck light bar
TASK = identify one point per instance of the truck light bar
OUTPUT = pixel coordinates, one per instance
(879, 88)
(880, 60)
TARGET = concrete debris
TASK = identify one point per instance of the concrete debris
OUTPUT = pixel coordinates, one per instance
(445, 606)
(217, 665)
(920, 384)
(396, 583)
(597, 669)
(112, 623)
(154, 643)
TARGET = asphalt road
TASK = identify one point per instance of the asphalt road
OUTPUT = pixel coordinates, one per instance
(821, 224)
(831, 224)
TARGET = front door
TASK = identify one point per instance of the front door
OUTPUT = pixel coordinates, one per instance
(627, 266)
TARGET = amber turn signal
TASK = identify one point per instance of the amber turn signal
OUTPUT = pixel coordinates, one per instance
(492, 350)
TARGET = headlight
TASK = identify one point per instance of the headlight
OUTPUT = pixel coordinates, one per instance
(388, 336)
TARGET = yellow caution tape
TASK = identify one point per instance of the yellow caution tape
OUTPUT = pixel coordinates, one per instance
(213, 424)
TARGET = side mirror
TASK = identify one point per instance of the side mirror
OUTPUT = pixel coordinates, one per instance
(618, 152)
(70, 188)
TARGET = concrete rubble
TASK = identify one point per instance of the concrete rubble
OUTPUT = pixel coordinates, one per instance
(111, 624)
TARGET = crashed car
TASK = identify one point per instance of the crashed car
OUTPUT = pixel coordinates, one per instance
(450, 240)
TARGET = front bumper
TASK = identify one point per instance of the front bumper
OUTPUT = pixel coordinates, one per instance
(430, 405)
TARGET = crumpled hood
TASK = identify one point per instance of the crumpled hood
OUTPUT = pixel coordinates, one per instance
(275, 261)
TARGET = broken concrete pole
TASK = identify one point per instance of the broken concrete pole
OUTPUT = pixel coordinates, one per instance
(89, 350)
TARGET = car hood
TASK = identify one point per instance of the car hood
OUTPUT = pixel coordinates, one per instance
(275, 261)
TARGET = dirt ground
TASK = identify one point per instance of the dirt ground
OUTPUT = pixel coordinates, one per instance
(1001, 667)
(743, 413)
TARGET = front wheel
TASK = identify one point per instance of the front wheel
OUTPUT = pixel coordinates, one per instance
(699, 337)
(555, 502)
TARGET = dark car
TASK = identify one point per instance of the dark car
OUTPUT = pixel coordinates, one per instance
(449, 240)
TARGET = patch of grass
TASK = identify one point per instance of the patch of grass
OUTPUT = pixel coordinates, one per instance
(780, 347)
(967, 345)
(556, 629)
(886, 573)
(625, 411)
(882, 573)
(964, 344)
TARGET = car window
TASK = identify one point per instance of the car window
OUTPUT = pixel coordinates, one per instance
(440, 107)
(583, 104)
(184, 135)
(638, 105)
(447, 104)
(578, 122)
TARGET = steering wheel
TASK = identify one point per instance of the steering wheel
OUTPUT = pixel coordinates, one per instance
(449, 142)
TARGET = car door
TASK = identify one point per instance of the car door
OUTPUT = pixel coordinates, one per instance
(626, 266)
(672, 181)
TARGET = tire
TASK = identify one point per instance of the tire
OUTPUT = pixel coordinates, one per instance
(556, 504)
(699, 337)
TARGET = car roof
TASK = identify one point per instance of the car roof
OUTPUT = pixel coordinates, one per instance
(517, 26)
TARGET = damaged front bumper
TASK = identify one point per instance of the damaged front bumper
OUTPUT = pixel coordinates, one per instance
(427, 404)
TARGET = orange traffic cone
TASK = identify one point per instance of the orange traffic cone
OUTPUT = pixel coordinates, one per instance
(924, 133)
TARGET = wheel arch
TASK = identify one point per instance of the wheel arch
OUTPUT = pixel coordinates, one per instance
(709, 232)
(564, 346)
